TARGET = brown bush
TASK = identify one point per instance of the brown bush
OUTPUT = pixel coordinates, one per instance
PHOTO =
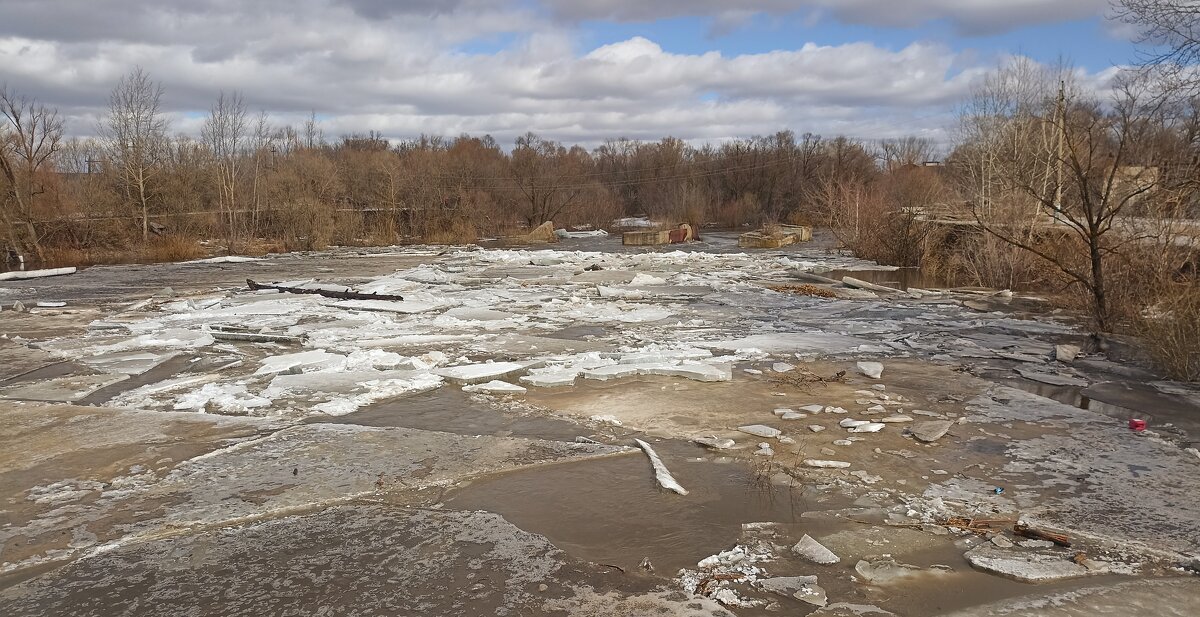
(451, 231)
(738, 212)
(56, 256)
(1170, 331)
(980, 259)
(171, 248)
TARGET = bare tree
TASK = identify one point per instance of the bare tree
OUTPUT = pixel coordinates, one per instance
(905, 151)
(29, 136)
(1170, 30)
(136, 136)
(1061, 170)
(225, 133)
(550, 179)
(314, 137)
(264, 150)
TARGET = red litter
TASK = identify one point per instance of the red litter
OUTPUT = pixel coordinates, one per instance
(1137, 425)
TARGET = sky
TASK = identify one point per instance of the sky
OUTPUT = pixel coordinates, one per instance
(578, 71)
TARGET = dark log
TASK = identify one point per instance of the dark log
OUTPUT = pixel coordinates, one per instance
(340, 295)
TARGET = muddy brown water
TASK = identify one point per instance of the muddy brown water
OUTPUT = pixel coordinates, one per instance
(448, 409)
(612, 511)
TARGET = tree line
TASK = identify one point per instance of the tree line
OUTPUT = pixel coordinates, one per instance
(245, 178)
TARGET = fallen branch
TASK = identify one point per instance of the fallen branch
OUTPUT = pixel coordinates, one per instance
(702, 586)
(977, 525)
(660, 470)
(1038, 534)
(804, 289)
(328, 293)
(804, 379)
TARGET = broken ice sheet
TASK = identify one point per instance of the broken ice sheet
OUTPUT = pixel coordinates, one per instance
(314, 360)
(127, 363)
(226, 398)
(60, 389)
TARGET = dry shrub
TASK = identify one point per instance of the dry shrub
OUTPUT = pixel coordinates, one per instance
(597, 211)
(799, 217)
(171, 247)
(456, 230)
(382, 229)
(305, 225)
(804, 289)
(738, 212)
(978, 258)
(1170, 331)
(55, 256)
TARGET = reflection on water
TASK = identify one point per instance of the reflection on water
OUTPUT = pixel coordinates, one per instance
(1121, 400)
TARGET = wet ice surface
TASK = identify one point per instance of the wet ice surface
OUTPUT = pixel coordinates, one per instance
(462, 396)
(478, 315)
(372, 560)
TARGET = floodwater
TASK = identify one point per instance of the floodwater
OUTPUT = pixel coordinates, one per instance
(450, 410)
(1123, 401)
(611, 511)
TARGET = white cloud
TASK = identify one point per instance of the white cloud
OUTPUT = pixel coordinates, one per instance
(967, 16)
(401, 68)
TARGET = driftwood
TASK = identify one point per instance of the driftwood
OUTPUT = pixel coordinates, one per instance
(1038, 534)
(340, 295)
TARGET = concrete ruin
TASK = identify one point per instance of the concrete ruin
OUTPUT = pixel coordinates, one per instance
(774, 237)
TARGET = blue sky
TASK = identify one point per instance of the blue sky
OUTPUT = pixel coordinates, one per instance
(1088, 43)
(580, 71)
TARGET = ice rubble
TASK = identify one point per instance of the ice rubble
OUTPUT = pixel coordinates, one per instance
(664, 477)
(229, 398)
(495, 387)
(500, 304)
(479, 373)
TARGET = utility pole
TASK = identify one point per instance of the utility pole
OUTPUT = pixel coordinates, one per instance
(1061, 113)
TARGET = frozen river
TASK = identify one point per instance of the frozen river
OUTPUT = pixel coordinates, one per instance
(164, 443)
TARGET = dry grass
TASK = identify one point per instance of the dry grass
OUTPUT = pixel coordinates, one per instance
(1170, 331)
(171, 248)
(452, 231)
(804, 289)
(70, 256)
